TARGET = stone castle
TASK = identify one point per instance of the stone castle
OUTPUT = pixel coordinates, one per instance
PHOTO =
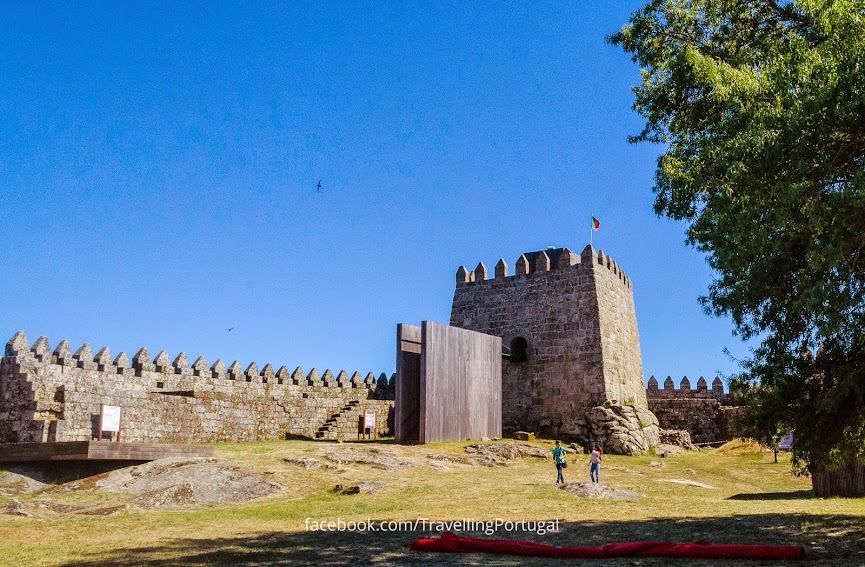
(569, 332)
(57, 396)
(571, 328)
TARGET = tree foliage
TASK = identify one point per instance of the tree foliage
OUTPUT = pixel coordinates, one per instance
(760, 105)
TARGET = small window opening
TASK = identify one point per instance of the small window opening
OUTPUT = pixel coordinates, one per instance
(519, 350)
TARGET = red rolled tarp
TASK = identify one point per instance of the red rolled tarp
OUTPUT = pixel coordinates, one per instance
(450, 542)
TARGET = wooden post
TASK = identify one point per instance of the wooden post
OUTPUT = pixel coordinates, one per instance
(847, 480)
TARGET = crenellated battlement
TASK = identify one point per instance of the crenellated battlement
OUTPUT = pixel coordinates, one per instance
(569, 326)
(684, 391)
(542, 263)
(57, 395)
(19, 351)
(708, 414)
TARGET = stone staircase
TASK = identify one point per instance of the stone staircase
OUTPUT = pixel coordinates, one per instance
(343, 424)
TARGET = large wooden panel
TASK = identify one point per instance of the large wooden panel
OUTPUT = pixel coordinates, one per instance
(407, 388)
(460, 386)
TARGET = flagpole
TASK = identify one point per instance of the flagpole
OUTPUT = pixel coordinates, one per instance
(592, 231)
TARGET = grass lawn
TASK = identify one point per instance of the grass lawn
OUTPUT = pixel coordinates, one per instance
(751, 500)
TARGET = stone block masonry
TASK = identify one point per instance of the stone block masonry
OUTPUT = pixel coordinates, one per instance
(571, 328)
(709, 415)
(57, 396)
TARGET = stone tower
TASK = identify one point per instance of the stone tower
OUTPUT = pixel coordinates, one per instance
(569, 329)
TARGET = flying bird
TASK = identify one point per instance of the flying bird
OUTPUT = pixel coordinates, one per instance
(318, 188)
(230, 329)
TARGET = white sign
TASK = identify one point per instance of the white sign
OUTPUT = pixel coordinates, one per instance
(111, 418)
(369, 420)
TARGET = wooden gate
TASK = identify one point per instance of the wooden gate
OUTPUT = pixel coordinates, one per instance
(448, 384)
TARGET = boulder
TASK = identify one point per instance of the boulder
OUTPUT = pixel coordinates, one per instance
(663, 450)
(623, 429)
(679, 438)
(365, 487)
(524, 436)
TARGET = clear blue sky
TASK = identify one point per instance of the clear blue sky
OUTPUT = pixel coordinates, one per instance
(158, 166)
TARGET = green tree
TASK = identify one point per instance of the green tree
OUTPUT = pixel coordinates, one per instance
(760, 106)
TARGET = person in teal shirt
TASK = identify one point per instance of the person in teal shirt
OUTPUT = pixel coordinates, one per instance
(559, 459)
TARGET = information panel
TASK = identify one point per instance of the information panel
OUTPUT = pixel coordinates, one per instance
(111, 418)
(369, 420)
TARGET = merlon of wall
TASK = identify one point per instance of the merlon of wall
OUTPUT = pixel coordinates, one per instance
(19, 348)
(670, 391)
(543, 262)
(57, 396)
(709, 415)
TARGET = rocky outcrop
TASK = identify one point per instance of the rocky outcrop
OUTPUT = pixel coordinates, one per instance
(507, 451)
(679, 438)
(598, 491)
(177, 481)
(623, 429)
(351, 456)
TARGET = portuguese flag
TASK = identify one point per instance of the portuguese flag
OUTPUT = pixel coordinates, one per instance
(596, 224)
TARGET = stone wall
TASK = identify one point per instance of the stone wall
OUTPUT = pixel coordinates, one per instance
(709, 415)
(620, 340)
(571, 327)
(57, 396)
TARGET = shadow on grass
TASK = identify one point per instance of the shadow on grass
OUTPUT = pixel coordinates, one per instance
(60, 472)
(788, 495)
(828, 540)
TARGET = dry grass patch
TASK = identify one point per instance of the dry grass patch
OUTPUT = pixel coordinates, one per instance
(753, 501)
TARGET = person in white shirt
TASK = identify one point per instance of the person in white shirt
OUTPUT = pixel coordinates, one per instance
(595, 464)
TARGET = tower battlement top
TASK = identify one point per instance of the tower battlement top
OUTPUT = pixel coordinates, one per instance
(542, 262)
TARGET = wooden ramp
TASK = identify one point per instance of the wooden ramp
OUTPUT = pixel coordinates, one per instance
(97, 451)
